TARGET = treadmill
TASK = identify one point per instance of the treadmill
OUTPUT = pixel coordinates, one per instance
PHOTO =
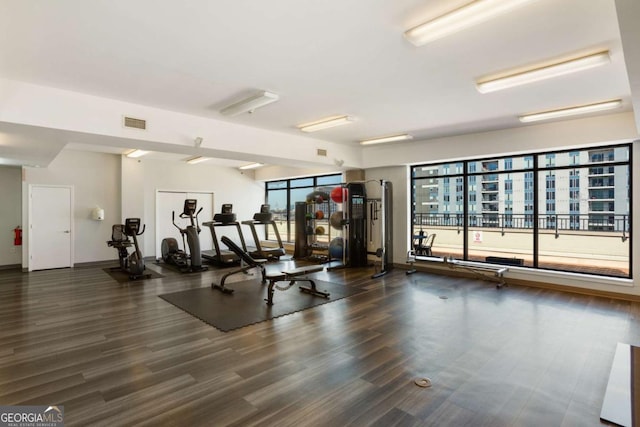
(265, 217)
(224, 219)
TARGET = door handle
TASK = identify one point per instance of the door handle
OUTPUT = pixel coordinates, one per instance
(66, 231)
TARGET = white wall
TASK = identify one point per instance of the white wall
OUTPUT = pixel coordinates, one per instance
(10, 214)
(132, 192)
(274, 173)
(548, 136)
(229, 185)
(95, 178)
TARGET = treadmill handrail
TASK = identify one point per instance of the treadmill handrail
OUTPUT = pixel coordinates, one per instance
(219, 254)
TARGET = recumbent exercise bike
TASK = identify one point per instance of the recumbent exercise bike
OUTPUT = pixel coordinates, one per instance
(132, 264)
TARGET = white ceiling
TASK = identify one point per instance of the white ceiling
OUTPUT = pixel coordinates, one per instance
(323, 58)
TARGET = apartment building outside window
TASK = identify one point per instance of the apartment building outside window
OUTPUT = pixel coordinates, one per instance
(562, 210)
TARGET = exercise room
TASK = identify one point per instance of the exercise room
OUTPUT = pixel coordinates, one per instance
(412, 212)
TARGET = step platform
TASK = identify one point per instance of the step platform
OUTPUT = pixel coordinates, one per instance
(621, 404)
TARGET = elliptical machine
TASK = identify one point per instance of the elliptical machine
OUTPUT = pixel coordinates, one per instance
(132, 264)
(172, 254)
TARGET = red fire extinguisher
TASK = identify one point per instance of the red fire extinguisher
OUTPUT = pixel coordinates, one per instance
(17, 236)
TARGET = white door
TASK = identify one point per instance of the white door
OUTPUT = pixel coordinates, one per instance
(173, 201)
(50, 227)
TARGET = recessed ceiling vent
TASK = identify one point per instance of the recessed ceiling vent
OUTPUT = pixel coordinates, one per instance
(322, 152)
(130, 122)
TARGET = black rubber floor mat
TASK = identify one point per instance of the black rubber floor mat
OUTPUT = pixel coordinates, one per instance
(121, 277)
(247, 304)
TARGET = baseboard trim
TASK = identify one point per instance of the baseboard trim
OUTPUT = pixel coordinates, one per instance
(520, 282)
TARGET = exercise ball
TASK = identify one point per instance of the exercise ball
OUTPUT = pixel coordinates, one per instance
(336, 248)
(317, 197)
(336, 220)
(319, 230)
(319, 214)
(339, 194)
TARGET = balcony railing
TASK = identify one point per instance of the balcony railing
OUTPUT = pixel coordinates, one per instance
(556, 222)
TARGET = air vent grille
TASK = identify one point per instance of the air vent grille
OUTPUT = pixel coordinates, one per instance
(322, 152)
(130, 122)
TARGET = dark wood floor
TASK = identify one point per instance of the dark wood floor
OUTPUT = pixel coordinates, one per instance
(116, 354)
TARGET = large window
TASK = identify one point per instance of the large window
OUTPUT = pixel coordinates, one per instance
(563, 210)
(282, 197)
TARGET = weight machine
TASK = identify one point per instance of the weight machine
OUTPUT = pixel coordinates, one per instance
(384, 207)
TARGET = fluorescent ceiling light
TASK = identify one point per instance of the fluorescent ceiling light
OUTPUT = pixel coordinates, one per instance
(392, 138)
(329, 122)
(582, 109)
(459, 19)
(194, 160)
(248, 105)
(544, 72)
(136, 153)
(251, 166)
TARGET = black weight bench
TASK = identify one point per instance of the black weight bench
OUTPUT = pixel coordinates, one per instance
(292, 276)
(247, 262)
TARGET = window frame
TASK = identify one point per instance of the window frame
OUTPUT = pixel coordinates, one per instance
(596, 157)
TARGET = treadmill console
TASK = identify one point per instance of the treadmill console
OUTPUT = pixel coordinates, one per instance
(226, 216)
(264, 215)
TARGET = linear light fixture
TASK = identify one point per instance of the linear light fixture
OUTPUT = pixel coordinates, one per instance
(581, 109)
(459, 19)
(248, 105)
(543, 72)
(194, 160)
(136, 153)
(382, 140)
(329, 122)
(251, 166)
